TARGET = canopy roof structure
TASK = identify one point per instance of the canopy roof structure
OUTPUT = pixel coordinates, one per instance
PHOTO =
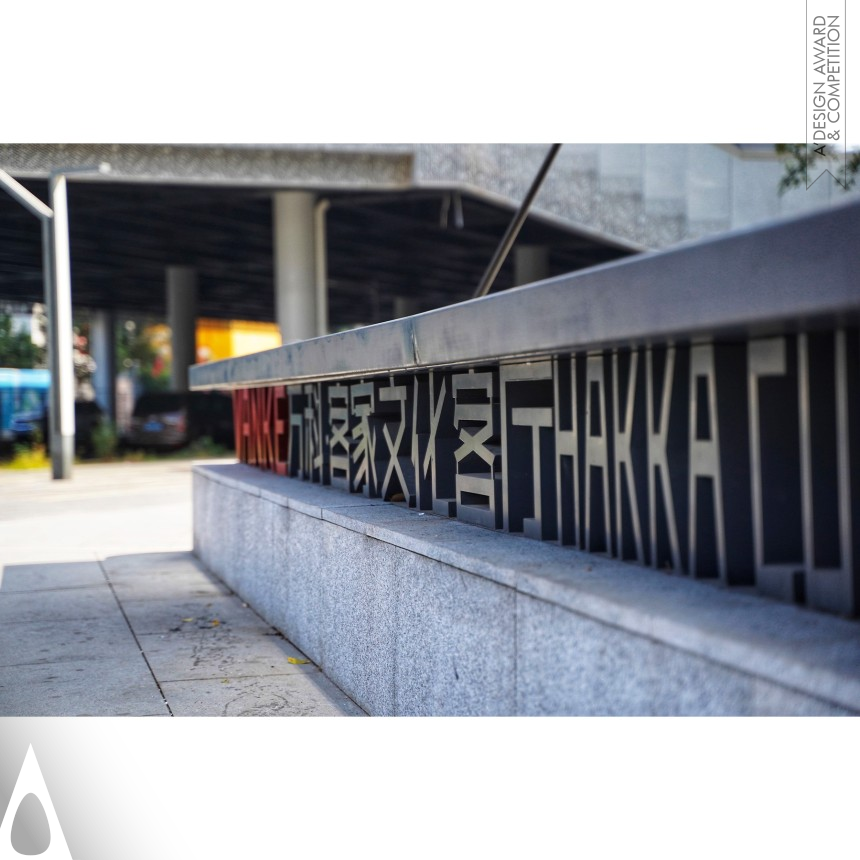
(387, 234)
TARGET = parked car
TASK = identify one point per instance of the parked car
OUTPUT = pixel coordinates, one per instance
(88, 416)
(171, 419)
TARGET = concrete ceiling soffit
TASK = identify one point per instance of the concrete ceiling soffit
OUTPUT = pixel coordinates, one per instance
(329, 167)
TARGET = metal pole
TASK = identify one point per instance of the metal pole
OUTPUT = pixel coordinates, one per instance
(27, 199)
(36, 207)
(62, 362)
(52, 429)
(514, 227)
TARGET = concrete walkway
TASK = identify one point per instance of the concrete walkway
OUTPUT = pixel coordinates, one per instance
(104, 610)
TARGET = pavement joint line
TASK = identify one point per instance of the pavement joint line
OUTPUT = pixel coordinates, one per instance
(7, 622)
(9, 591)
(311, 670)
(275, 675)
(136, 716)
(52, 661)
(134, 635)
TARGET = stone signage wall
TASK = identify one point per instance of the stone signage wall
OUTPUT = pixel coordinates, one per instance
(729, 459)
(693, 412)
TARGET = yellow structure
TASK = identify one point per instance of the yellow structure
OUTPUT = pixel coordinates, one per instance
(217, 339)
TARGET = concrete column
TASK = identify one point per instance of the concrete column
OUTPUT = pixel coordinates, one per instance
(295, 265)
(182, 319)
(320, 210)
(103, 350)
(531, 263)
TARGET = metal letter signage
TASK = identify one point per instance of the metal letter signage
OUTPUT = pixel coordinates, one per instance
(479, 480)
(735, 461)
(705, 484)
(657, 431)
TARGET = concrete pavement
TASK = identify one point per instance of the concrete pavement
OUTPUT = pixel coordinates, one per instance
(105, 611)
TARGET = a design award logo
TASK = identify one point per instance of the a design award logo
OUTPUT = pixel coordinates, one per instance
(30, 826)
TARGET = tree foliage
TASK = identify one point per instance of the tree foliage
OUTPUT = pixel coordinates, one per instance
(17, 348)
(799, 159)
(136, 354)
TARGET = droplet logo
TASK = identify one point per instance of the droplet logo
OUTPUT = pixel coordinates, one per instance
(30, 827)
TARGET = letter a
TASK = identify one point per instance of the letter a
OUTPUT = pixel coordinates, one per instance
(31, 781)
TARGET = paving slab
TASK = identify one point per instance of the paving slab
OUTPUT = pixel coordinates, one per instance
(69, 604)
(33, 577)
(299, 695)
(120, 687)
(173, 614)
(151, 565)
(102, 638)
(182, 587)
(220, 652)
(14, 552)
(151, 575)
(101, 527)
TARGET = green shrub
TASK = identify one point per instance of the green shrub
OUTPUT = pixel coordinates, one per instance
(204, 448)
(105, 441)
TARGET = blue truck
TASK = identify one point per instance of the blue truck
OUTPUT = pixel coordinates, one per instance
(23, 401)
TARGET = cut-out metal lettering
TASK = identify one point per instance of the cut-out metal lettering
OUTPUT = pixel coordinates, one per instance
(658, 462)
(567, 452)
(362, 446)
(704, 465)
(265, 426)
(623, 456)
(313, 451)
(435, 440)
(596, 455)
(526, 490)
(399, 467)
(765, 358)
(338, 441)
(478, 458)
(298, 424)
(280, 431)
(581, 449)
(830, 583)
(261, 425)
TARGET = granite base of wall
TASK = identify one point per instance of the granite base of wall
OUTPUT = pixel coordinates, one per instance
(411, 613)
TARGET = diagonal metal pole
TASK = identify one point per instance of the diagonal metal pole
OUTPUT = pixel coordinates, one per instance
(514, 227)
(26, 198)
